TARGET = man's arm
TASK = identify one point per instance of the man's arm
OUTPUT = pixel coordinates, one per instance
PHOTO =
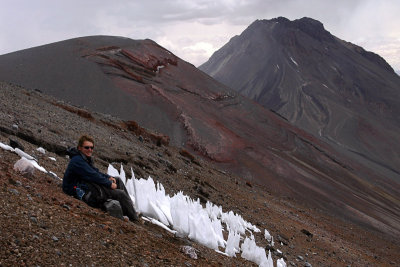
(87, 173)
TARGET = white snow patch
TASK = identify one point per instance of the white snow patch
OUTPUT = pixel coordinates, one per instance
(6, 147)
(37, 166)
(187, 218)
(24, 166)
(222, 253)
(52, 158)
(41, 150)
(294, 61)
(159, 67)
(280, 263)
(232, 244)
(254, 253)
(55, 175)
(22, 154)
(33, 161)
(268, 236)
(154, 221)
(112, 171)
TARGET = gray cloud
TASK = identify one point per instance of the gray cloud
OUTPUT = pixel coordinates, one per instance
(194, 29)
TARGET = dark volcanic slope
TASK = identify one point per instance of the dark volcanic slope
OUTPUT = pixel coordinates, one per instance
(326, 86)
(141, 81)
(41, 226)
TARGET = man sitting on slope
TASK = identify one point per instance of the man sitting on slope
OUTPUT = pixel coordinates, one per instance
(83, 181)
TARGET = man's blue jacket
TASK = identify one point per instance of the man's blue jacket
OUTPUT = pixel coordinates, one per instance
(80, 168)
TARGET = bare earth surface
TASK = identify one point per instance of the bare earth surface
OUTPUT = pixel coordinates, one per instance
(41, 226)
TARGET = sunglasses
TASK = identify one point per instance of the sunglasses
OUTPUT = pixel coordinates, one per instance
(88, 147)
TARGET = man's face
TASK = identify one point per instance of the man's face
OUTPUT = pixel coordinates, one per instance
(86, 148)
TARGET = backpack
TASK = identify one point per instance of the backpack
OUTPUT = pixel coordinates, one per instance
(91, 193)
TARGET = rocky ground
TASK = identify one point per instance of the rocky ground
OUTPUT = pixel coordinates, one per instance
(41, 226)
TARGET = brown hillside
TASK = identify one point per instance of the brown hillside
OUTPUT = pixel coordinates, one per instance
(42, 226)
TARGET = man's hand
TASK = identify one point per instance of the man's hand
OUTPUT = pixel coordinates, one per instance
(114, 183)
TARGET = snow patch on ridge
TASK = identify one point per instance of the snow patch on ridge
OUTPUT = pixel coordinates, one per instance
(294, 61)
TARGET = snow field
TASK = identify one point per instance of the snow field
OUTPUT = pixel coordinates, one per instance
(188, 218)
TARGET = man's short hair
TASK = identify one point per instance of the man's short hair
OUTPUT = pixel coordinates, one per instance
(84, 138)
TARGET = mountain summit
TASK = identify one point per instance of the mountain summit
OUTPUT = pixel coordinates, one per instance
(330, 88)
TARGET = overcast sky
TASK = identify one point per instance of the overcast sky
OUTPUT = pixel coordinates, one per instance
(193, 30)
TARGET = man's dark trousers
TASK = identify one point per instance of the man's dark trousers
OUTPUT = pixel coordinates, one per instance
(122, 195)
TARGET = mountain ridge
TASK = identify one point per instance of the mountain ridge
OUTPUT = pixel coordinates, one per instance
(331, 88)
(143, 82)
